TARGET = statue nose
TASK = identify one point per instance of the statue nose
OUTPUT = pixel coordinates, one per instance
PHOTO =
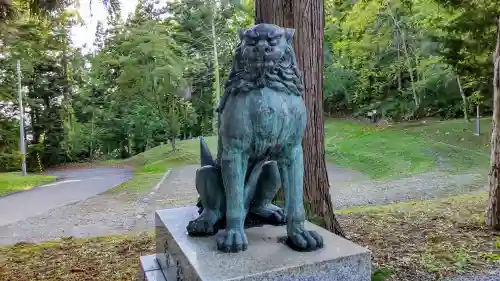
(262, 48)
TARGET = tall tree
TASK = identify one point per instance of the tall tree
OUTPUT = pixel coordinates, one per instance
(493, 212)
(307, 17)
(480, 25)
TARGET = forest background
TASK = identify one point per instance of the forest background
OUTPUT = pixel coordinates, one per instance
(151, 78)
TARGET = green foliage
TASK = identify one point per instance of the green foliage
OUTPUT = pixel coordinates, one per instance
(151, 78)
(10, 159)
(382, 274)
(495, 255)
(468, 41)
(37, 8)
(42, 45)
(403, 58)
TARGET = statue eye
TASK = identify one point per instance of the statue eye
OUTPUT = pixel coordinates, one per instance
(273, 42)
(250, 42)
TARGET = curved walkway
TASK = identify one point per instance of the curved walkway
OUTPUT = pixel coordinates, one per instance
(110, 214)
(72, 186)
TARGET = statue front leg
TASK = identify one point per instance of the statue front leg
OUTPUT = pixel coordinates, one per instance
(234, 166)
(209, 186)
(267, 187)
(291, 167)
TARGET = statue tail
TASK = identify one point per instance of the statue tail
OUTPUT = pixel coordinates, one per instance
(206, 158)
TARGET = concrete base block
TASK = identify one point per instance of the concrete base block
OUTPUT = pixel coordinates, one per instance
(184, 258)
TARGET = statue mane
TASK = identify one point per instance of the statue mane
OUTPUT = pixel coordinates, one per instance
(283, 76)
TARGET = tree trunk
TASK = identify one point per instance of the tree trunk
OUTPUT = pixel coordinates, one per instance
(215, 121)
(174, 147)
(493, 212)
(464, 100)
(307, 17)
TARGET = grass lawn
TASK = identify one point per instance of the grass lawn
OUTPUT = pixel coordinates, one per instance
(140, 182)
(162, 157)
(11, 182)
(455, 132)
(403, 150)
(382, 153)
(150, 166)
(439, 237)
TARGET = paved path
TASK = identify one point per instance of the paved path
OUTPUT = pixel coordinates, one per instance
(72, 186)
(110, 214)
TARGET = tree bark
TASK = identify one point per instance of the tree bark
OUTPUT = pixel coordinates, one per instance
(307, 18)
(493, 212)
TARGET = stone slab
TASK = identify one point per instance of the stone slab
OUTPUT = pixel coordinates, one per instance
(197, 259)
(149, 269)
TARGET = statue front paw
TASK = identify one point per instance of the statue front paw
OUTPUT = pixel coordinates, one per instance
(304, 240)
(232, 240)
(204, 225)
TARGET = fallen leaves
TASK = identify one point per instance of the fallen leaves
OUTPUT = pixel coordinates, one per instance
(100, 258)
(425, 240)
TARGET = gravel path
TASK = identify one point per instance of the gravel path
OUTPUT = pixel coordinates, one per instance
(100, 215)
(489, 276)
(418, 187)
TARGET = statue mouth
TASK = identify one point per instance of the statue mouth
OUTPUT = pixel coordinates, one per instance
(260, 63)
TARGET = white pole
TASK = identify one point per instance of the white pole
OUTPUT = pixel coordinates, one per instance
(478, 122)
(22, 146)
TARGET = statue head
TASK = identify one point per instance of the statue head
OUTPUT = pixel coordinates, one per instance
(264, 58)
(263, 45)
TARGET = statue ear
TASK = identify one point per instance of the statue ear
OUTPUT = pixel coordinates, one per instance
(289, 32)
(241, 33)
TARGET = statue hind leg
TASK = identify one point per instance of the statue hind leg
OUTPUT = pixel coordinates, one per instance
(267, 187)
(209, 186)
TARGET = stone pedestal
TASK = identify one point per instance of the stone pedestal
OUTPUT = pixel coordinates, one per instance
(184, 258)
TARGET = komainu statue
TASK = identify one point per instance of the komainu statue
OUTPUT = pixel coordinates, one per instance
(262, 119)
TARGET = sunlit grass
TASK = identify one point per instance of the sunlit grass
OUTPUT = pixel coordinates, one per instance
(393, 152)
(12, 182)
